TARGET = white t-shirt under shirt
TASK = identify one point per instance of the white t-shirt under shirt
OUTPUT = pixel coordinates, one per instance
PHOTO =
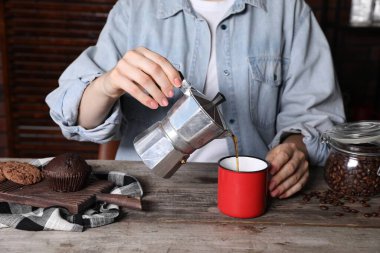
(212, 12)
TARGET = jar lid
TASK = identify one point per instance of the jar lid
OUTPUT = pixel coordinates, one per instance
(360, 132)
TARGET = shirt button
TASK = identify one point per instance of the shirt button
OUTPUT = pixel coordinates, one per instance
(223, 27)
(226, 72)
(232, 121)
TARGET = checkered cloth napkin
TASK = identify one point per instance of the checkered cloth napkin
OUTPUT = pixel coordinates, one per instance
(37, 219)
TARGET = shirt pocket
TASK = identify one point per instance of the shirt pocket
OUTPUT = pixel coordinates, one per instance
(265, 81)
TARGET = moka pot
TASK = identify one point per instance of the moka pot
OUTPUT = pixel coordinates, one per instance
(192, 122)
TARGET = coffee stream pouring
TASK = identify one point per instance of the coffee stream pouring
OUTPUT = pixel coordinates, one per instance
(191, 123)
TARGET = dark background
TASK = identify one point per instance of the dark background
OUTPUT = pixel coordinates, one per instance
(39, 38)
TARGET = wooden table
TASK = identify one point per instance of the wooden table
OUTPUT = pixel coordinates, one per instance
(181, 216)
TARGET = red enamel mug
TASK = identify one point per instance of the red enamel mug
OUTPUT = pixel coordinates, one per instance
(243, 193)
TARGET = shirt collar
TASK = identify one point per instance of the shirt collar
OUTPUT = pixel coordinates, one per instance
(262, 4)
(168, 8)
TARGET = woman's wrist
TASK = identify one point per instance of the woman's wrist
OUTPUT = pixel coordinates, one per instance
(106, 89)
(96, 103)
(297, 140)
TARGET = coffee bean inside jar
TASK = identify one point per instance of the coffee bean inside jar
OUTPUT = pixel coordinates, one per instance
(355, 175)
(353, 168)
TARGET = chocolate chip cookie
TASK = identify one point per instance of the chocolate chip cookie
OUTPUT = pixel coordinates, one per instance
(2, 177)
(21, 173)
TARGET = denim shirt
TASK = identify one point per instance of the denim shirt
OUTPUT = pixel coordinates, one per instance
(273, 61)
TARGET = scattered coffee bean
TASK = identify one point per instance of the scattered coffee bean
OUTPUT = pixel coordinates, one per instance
(354, 211)
(352, 201)
(332, 200)
(306, 198)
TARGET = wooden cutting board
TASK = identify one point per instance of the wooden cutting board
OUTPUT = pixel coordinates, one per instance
(40, 195)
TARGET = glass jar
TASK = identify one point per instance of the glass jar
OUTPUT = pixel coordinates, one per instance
(353, 165)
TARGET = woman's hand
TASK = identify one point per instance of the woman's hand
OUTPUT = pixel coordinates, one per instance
(145, 75)
(289, 167)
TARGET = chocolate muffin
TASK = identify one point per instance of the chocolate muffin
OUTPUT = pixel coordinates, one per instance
(67, 173)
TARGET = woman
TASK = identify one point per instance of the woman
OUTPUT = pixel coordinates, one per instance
(268, 57)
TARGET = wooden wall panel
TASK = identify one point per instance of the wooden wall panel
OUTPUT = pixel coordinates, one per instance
(357, 59)
(42, 38)
(5, 138)
(3, 142)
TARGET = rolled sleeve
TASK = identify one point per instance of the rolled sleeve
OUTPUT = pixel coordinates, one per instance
(311, 102)
(317, 150)
(64, 104)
